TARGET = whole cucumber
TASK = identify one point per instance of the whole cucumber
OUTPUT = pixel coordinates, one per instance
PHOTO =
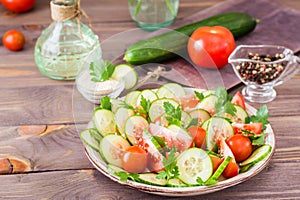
(165, 46)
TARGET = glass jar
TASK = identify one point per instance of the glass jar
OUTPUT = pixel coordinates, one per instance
(67, 44)
(151, 15)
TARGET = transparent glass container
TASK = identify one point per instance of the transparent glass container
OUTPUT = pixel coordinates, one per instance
(65, 46)
(271, 72)
(151, 15)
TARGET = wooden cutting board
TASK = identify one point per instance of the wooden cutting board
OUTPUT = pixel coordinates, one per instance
(279, 25)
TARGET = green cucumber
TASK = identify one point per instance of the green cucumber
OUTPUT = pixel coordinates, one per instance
(200, 114)
(126, 72)
(116, 103)
(104, 121)
(134, 127)
(214, 127)
(157, 108)
(95, 134)
(164, 46)
(151, 179)
(176, 182)
(257, 155)
(193, 163)
(220, 169)
(113, 169)
(87, 139)
(121, 115)
(112, 147)
(208, 103)
(131, 98)
(241, 114)
(170, 90)
(149, 95)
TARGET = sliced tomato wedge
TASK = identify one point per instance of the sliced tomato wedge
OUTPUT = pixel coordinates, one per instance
(188, 102)
(255, 128)
(238, 99)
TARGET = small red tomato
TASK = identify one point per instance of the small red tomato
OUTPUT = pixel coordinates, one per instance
(134, 160)
(13, 40)
(216, 161)
(241, 146)
(231, 170)
(238, 99)
(198, 135)
(255, 128)
(18, 5)
(210, 47)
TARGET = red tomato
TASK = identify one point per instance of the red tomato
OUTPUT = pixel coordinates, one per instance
(134, 160)
(231, 170)
(216, 161)
(188, 102)
(238, 99)
(241, 147)
(13, 40)
(255, 128)
(18, 5)
(199, 135)
(210, 47)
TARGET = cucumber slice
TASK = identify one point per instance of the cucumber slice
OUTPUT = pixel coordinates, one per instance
(134, 127)
(104, 121)
(171, 90)
(240, 114)
(208, 103)
(151, 179)
(116, 103)
(180, 138)
(220, 169)
(201, 114)
(113, 169)
(87, 139)
(185, 119)
(175, 182)
(157, 108)
(95, 134)
(126, 72)
(216, 127)
(194, 163)
(148, 95)
(121, 115)
(112, 147)
(258, 155)
(131, 98)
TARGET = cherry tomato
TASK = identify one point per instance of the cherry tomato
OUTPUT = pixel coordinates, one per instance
(13, 40)
(18, 5)
(241, 146)
(238, 99)
(210, 47)
(216, 161)
(134, 160)
(231, 170)
(198, 134)
(255, 128)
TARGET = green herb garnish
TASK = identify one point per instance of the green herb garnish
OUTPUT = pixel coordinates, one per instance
(105, 103)
(124, 176)
(174, 114)
(170, 164)
(100, 71)
(261, 116)
(199, 95)
(223, 104)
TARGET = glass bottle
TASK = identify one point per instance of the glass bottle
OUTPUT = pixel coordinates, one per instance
(66, 45)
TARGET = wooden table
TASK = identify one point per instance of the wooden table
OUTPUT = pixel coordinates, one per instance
(39, 138)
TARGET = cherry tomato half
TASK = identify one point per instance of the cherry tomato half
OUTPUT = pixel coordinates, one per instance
(210, 47)
(134, 160)
(238, 99)
(198, 135)
(13, 40)
(255, 128)
(18, 5)
(216, 161)
(241, 146)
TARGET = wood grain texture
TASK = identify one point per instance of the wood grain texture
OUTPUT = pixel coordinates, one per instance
(51, 164)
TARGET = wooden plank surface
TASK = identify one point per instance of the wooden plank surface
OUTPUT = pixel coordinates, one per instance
(41, 155)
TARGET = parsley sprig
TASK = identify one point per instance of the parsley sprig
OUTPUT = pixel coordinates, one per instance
(173, 113)
(100, 71)
(223, 104)
(261, 116)
(170, 165)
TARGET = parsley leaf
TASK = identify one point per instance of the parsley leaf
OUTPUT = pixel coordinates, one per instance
(145, 103)
(174, 114)
(261, 116)
(170, 164)
(124, 176)
(100, 71)
(193, 122)
(199, 95)
(223, 104)
(105, 103)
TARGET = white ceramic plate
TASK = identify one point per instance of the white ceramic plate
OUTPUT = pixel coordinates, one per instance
(101, 165)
